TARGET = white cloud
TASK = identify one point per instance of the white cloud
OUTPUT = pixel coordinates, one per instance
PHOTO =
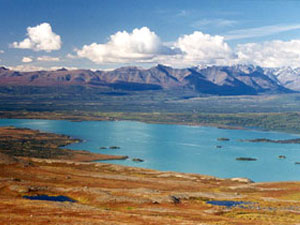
(200, 48)
(143, 46)
(275, 53)
(30, 68)
(213, 22)
(260, 31)
(1, 51)
(27, 59)
(40, 38)
(123, 47)
(26, 68)
(71, 56)
(63, 67)
(183, 13)
(48, 59)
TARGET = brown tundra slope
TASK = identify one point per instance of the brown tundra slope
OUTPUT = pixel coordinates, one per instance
(110, 194)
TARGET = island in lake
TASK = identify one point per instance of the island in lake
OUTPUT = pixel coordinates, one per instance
(266, 140)
(246, 159)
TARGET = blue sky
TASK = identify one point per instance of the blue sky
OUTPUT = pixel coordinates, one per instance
(178, 33)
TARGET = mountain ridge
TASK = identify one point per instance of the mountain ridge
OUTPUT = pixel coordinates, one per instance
(215, 80)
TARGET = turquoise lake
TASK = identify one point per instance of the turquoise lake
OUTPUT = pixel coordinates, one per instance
(181, 148)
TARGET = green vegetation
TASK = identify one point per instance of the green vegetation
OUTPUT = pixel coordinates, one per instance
(72, 98)
(266, 112)
(285, 122)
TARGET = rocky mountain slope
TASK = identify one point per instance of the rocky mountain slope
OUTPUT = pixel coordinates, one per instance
(287, 76)
(217, 80)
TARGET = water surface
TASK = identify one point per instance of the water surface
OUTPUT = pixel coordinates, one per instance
(59, 198)
(181, 148)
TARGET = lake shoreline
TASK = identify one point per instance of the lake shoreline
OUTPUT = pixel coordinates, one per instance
(96, 192)
(222, 141)
(79, 118)
(258, 120)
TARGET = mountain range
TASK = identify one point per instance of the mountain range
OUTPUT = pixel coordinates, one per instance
(215, 80)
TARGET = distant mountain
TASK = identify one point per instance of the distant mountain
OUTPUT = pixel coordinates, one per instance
(287, 76)
(216, 80)
(239, 80)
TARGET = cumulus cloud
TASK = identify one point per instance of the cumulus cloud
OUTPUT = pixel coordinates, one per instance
(27, 59)
(275, 53)
(48, 59)
(40, 38)
(144, 46)
(200, 48)
(123, 47)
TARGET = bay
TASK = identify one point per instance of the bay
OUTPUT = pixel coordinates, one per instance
(181, 148)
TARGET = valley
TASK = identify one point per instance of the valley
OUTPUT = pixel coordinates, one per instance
(227, 98)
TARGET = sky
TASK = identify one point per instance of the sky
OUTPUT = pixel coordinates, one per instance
(106, 34)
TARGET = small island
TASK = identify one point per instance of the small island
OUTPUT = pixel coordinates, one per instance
(223, 139)
(114, 147)
(246, 159)
(266, 140)
(137, 160)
